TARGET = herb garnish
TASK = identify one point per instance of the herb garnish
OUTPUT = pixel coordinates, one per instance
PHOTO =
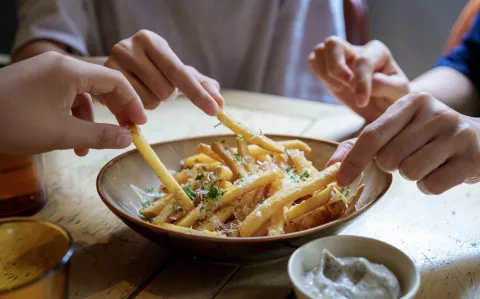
(213, 193)
(190, 192)
(176, 210)
(236, 157)
(146, 204)
(149, 190)
(200, 176)
(189, 167)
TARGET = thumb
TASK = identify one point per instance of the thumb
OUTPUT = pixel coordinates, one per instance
(341, 151)
(85, 134)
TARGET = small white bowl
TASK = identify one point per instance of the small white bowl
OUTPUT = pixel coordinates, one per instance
(308, 256)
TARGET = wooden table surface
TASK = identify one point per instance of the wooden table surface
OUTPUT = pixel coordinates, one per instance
(440, 233)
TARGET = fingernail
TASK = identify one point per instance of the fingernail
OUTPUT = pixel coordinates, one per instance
(422, 188)
(123, 140)
(215, 93)
(172, 97)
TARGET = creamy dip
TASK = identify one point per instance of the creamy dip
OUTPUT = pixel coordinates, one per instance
(350, 278)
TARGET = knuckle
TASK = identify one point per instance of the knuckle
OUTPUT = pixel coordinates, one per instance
(142, 35)
(120, 49)
(378, 44)
(331, 41)
(386, 161)
(422, 98)
(372, 134)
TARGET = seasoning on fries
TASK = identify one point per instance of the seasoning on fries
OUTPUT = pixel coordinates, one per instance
(259, 188)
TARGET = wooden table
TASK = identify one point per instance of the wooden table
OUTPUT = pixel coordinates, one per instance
(441, 234)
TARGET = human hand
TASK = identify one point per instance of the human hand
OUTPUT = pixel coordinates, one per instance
(45, 105)
(423, 138)
(156, 73)
(365, 78)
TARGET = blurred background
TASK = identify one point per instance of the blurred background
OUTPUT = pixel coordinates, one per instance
(414, 30)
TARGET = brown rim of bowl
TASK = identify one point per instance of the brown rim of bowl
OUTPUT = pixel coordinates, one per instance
(288, 236)
(64, 261)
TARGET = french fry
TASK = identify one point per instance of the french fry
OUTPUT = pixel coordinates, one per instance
(255, 151)
(251, 183)
(223, 173)
(164, 214)
(240, 129)
(159, 168)
(265, 210)
(354, 200)
(289, 144)
(317, 217)
(317, 200)
(244, 152)
(262, 231)
(198, 158)
(181, 177)
(233, 162)
(202, 148)
(157, 206)
(300, 162)
(218, 218)
(187, 230)
(277, 223)
(225, 185)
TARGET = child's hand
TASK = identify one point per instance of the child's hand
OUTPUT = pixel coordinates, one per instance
(45, 105)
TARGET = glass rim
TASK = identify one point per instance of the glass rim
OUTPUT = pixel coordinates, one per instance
(64, 261)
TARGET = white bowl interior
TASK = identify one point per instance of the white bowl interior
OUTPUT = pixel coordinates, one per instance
(308, 256)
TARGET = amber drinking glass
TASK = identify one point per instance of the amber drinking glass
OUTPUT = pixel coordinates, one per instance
(22, 185)
(34, 259)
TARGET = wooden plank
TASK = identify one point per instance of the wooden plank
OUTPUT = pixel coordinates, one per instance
(109, 259)
(187, 277)
(292, 107)
(267, 280)
(336, 128)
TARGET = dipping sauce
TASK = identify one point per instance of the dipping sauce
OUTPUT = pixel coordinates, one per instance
(350, 278)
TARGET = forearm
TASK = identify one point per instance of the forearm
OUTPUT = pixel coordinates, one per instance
(41, 46)
(451, 87)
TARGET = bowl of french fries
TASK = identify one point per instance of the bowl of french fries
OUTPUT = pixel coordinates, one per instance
(243, 197)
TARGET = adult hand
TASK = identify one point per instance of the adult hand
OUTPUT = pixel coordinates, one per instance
(45, 105)
(365, 78)
(156, 73)
(421, 137)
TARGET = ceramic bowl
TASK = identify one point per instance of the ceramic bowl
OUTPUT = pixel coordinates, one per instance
(308, 256)
(116, 178)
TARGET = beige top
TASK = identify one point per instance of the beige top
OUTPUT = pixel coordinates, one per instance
(249, 44)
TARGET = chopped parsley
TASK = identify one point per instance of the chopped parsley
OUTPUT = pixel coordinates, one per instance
(240, 137)
(200, 176)
(189, 167)
(345, 191)
(223, 141)
(190, 192)
(225, 148)
(305, 175)
(236, 157)
(176, 210)
(198, 220)
(149, 190)
(213, 193)
(289, 169)
(146, 204)
(196, 160)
